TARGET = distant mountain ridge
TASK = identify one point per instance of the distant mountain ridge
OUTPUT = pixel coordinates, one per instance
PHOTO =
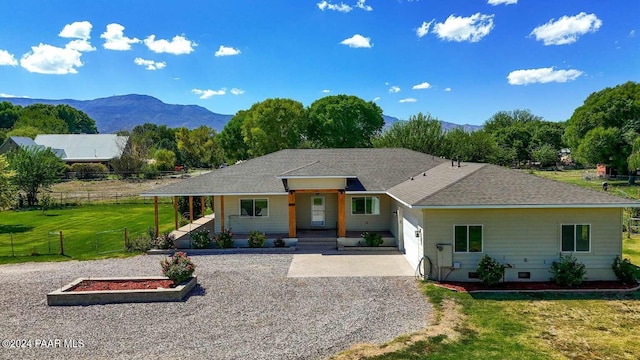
(124, 112)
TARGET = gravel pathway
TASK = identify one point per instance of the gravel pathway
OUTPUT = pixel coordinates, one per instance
(244, 308)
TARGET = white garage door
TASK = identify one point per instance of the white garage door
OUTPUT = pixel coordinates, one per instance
(412, 244)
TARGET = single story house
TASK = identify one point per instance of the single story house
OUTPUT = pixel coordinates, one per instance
(443, 215)
(73, 148)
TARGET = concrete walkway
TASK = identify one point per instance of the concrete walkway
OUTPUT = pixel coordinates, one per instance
(350, 264)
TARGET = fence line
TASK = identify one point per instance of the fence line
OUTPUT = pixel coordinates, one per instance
(92, 197)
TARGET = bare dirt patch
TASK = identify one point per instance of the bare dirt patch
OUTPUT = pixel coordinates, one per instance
(112, 186)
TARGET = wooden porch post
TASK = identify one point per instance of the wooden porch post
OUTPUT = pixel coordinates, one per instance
(202, 205)
(292, 214)
(342, 228)
(190, 209)
(155, 213)
(221, 212)
(213, 210)
(175, 212)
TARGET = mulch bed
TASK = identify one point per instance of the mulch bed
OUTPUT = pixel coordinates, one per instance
(539, 286)
(97, 285)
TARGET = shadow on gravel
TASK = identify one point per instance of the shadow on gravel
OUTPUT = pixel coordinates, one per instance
(196, 291)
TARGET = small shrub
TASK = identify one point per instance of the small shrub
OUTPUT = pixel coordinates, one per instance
(625, 271)
(567, 271)
(490, 271)
(88, 171)
(372, 239)
(178, 268)
(257, 239)
(164, 242)
(200, 239)
(150, 171)
(279, 242)
(138, 244)
(225, 239)
(183, 221)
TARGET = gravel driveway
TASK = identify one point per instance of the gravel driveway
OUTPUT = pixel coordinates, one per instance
(244, 308)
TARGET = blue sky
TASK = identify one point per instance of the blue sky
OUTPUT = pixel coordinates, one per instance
(460, 60)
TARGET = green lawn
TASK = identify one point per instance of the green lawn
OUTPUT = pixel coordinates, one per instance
(578, 177)
(35, 234)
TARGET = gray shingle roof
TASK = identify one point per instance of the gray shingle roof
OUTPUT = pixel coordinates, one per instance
(436, 183)
(376, 169)
(493, 186)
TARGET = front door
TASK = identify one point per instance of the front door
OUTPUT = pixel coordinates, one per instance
(317, 211)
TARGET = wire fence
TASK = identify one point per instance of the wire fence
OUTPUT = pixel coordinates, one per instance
(93, 197)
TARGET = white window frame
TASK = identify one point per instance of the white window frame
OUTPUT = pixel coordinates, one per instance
(574, 239)
(467, 251)
(253, 200)
(365, 205)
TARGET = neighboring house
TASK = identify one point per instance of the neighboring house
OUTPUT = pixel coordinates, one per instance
(74, 148)
(78, 148)
(439, 212)
(16, 142)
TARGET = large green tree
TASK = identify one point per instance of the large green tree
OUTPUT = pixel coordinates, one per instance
(272, 125)
(7, 190)
(9, 114)
(420, 133)
(198, 147)
(611, 108)
(343, 121)
(231, 139)
(35, 169)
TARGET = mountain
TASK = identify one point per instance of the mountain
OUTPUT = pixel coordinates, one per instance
(124, 112)
(446, 126)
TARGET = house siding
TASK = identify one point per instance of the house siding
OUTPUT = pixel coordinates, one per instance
(316, 184)
(370, 222)
(276, 222)
(303, 210)
(527, 239)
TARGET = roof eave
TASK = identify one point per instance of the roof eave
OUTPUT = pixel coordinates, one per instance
(528, 206)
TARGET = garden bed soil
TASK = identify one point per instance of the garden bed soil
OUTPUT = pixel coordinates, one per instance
(100, 285)
(535, 286)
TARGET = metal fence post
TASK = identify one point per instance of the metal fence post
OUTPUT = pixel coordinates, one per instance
(125, 238)
(61, 243)
(12, 252)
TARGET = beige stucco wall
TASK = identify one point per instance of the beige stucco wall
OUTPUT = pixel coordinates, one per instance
(276, 222)
(303, 210)
(313, 184)
(370, 222)
(528, 239)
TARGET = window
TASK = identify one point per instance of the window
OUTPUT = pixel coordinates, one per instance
(468, 238)
(576, 238)
(254, 207)
(365, 205)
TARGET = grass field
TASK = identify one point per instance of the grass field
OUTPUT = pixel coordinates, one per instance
(36, 233)
(587, 178)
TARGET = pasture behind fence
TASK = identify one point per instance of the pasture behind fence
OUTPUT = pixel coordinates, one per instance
(93, 197)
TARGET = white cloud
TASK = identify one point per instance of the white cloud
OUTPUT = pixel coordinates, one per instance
(500, 2)
(361, 5)
(80, 45)
(632, 33)
(424, 28)
(236, 91)
(150, 64)
(7, 59)
(567, 29)
(326, 91)
(47, 59)
(357, 41)
(115, 39)
(458, 28)
(408, 100)
(542, 75)
(342, 7)
(226, 51)
(394, 89)
(376, 98)
(12, 96)
(205, 94)
(77, 30)
(179, 45)
(421, 86)
(447, 89)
